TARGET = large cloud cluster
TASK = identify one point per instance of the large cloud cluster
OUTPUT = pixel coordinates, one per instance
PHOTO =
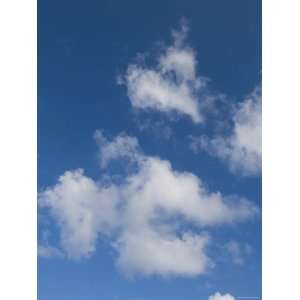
(143, 215)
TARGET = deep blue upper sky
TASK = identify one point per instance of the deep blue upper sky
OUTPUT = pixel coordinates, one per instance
(82, 47)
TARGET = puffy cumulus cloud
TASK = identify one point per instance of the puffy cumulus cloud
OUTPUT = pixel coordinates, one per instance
(172, 85)
(144, 215)
(82, 209)
(151, 252)
(218, 296)
(162, 187)
(242, 148)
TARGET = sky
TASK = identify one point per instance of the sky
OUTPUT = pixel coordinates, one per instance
(149, 150)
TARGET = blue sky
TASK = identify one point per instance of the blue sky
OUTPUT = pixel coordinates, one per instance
(173, 90)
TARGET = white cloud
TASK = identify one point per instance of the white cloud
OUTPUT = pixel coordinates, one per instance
(242, 149)
(82, 209)
(143, 215)
(122, 146)
(170, 86)
(218, 296)
(151, 252)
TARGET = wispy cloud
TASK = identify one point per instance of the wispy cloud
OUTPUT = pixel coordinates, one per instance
(238, 252)
(48, 251)
(241, 150)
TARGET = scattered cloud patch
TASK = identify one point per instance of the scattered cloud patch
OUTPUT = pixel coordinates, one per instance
(241, 150)
(48, 251)
(142, 216)
(238, 252)
(122, 146)
(235, 252)
(157, 128)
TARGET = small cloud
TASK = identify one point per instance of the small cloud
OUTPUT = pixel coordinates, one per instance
(238, 252)
(218, 296)
(235, 251)
(48, 251)
(157, 128)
